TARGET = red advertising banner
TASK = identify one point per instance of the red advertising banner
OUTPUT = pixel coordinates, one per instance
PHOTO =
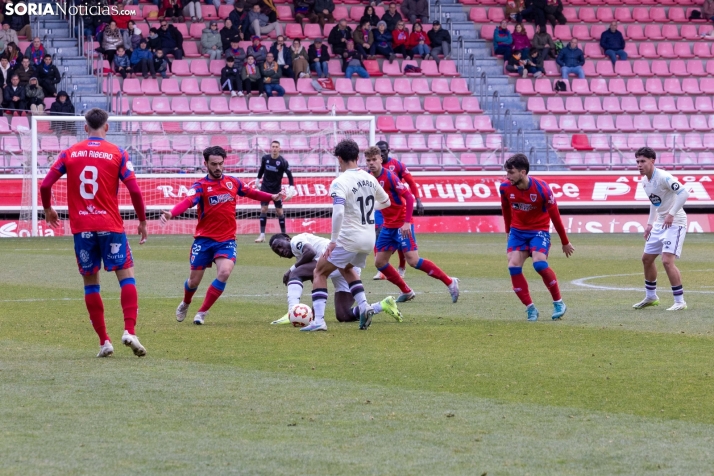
(698, 223)
(437, 190)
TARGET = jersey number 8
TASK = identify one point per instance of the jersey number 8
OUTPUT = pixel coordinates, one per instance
(367, 203)
(89, 186)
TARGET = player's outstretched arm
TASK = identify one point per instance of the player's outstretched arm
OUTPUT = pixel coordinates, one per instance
(51, 216)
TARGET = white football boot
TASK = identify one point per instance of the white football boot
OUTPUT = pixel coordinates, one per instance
(181, 311)
(133, 342)
(106, 349)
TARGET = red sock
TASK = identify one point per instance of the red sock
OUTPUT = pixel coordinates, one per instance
(551, 282)
(393, 277)
(129, 304)
(434, 271)
(402, 259)
(95, 306)
(188, 293)
(214, 292)
(520, 287)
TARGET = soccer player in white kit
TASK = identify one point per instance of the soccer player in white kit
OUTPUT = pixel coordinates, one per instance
(666, 228)
(355, 194)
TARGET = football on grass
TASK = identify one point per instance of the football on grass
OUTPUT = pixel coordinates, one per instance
(300, 315)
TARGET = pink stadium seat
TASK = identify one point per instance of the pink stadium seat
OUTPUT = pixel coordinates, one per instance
(420, 86)
(190, 86)
(605, 15)
(706, 158)
(574, 105)
(312, 30)
(452, 106)
(587, 15)
(463, 123)
(641, 14)
(447, 68)
(648, 104)
(362, 86)
(624, 69)
(605, 123)
(671, 32)
(383, 86)
(237, 106)
(209, 86)
(666, 50)
(276, 105)
(561, 142)
(525, 87)
(161, 105)
(636, 141)
(605, 68)
(658, 15)
(219, 105)
(593, 106)
(702, 50)
(589, 69)
(209, 12)
(562, 32)
(429, 68)
(642, 123)
(371, 66)
(425, 123)
(487, 32)
(392, 69)
(581, 32)
(634, 86)
(681, 123)
(662, 123)
(215, 66)
(386, 124)
(180, 105)
(596, 31)
(580, 86)
(494, 141)
(599, 142)
(436, 141)
(574, 160)
(405, 124)
(536, 105)
(587, 123)
(693, 141)
(483, 123)
(181, 68)
(629, 104)
(631, 50)
(445, 124)
(621, 14)
(304, 86)
(671, 86)
(150, 86)
(495, 15)
(704, 104)
(199, 105)
(294, 31)
(257, 105)
(411, 104)
(316, 105)
(288, 85)
(475, 142)
(459, 86)
(653, 32)
(542, 86)
(690, 86)
(356, 105)
(403, 85)
(439, 85)
(660, 68)
(685, 104)
(555, 105)
(695, 68)
(599, 86)
(624, 123)
(593, 51)
(374, 105)
(648, 50)
(432, 105)
(132, 87)
(196, 29)
(549, 124)
(417, 143)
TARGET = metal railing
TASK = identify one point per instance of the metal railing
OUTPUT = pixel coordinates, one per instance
(482, 90)
(507, 127)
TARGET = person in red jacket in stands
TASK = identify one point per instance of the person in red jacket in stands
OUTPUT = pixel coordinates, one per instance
(400, 37)
(418, 43)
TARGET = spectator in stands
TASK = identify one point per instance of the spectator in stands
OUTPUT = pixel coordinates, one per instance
(391, 17)
(613, 43)
(8, 35)
(324, 9)
(62, 107)
(502, 41)
(122, 63)
(267, 7)
(211, 42)
(513, 10)
(227, 32)
(230, 78)
(543, 43)
(171, 40)
(418, 43)
(305, 9)
(192, 8)
(154, 42)
(122, 20)
(520, 41)
(49, 76)
(571, 60)
(252, 80)
(318, 56)
(5, 72)
(25, 71)
(36, 52)
(132, 37)
(534, 11)
(237, 53)
(239, 19)
(440, 40)
(382, 42)
(90, 22)
(14, 95)
(416, 10)
(515, 64)
(400, 38)
(217, 3)
(554, 12)
(283, 56)
(707, 11)
(13, 55)
(338, 37)
(20, 23)
(161, 63)
(271, 77)
(352, 62)
(111, 40)
(142, 60)
(534, 64)
(35, 97)
(171, 10)
(369, 16)
(261, 24)
(257, 51)
(363, 38)
(301, 63)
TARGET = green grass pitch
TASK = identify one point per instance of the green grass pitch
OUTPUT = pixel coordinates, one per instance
(467, 388)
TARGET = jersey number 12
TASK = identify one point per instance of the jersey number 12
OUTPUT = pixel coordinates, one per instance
(368, 204)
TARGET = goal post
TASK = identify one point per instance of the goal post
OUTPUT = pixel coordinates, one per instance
(166, 153)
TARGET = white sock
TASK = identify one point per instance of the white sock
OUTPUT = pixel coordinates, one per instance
(357, 291)
(319, 300)
(678, 292)
(651, 289)
(377, 306)
(294, 293)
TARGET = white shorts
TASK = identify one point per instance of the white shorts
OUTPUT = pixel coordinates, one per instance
(340, 257)
(340, 282)
(666, 240)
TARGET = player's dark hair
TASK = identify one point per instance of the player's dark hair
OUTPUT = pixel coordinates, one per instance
(518, 162)
(347, 150)
(373, 152)
(384, 143)
(278, 236)
(646, 152)
(215, 150)
(96, 118)
(275, 142)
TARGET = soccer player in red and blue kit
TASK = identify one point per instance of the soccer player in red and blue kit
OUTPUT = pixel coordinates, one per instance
(402, 172)
(528, 208)
(398, 232)
(215, 238)
(94, 168)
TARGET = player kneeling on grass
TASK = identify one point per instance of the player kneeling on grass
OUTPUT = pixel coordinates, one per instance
(215, 235)
(528, 207)
(397, 233)
(666, 228)
(307, 248)
(94, 168)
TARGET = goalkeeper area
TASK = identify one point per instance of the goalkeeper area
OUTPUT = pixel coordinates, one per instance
(167, 156)
(467, 388)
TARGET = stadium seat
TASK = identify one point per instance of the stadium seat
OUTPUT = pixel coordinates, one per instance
(634, 86)
(666, 50)
(452, 106)
(458, 86)
(210, 86)
(374, 105)
(429, 68)
(190, 86)
(386, 124)
(257, 105)
(549, 124)
(592, 105)
(699, 123)
(604, 68)
(132, 87)
(561, 142)
(316, 105)
(417, 143)
(605, 123)
(537, 105)
(363, 86)
(238, 105)
(276, 105)
(641, 68)
(304, 86)
(593, 51)
(543, 86)
(599, 142)
(181, 68)
(642, 123)
(411, 105)
(525, 87)
(660, 68)
(650, 105)
(372, 67)
(680, 123)
(425, 123)
(432, 105)
(689, 86)
(580, 86)
(445, 124)
(199, 105)
(140, 105)
(555, 105)
(383, 86)
(199, 68)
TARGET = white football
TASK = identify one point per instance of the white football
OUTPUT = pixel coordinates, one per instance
(300, 315)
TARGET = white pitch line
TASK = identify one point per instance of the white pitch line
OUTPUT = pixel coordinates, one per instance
(582, 282)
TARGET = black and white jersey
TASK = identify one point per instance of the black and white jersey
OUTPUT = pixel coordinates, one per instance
(271, 172)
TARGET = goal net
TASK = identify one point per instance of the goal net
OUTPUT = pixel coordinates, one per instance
(167, 156)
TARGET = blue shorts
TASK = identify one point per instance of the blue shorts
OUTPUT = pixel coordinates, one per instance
(530, 241)
(378, 218)
(205, 251)
(93, 247)
(391, 239)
